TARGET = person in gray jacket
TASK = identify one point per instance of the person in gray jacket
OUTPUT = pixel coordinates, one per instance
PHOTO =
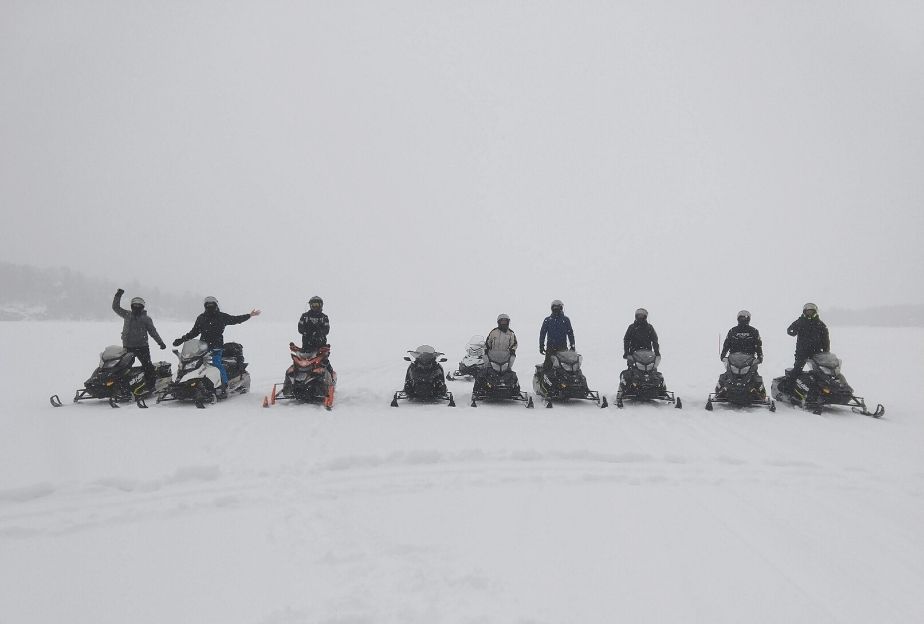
(135, 329)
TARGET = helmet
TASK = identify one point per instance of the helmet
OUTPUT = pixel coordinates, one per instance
(557, 304)
(210, 303)
(810, 309)
(137, 301)
(744, 314)
(315, 300)
(503, 317)
(641, 314)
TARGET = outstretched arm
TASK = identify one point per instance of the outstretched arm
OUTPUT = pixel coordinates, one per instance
(117, 304)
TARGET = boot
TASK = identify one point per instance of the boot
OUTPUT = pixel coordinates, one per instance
(222, 391)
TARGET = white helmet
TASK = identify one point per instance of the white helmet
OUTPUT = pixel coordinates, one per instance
(502, 317)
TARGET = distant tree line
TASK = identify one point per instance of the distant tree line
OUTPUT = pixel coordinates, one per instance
(881, 316)
(31, 293)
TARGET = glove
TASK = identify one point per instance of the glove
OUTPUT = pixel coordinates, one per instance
(721, 358)
(572, 347)
(163, 346)
(542, 350)
(625, 356)
(177, 342)
(120, 292)
(760, 359)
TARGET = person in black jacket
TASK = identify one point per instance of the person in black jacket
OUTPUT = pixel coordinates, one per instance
(743, 339)
(210, 327)
(640, 335)
(811, 338)
(314, 327)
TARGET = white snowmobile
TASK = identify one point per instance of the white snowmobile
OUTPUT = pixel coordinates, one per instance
(473, 361)
(198, 380)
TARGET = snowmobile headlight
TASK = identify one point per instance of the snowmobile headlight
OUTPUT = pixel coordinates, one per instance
(740, 371)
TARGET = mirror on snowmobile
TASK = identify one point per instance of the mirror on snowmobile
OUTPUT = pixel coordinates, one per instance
(442, 359)
(407, 358)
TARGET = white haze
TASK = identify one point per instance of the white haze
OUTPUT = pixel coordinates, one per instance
(689, 157)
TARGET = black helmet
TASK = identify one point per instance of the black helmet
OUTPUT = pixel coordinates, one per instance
(315, 301)
(744, 315)
(641, 314)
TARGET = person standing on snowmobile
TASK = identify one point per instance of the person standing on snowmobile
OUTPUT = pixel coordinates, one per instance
(743, 339)
(811, 338)
(640, 335)
(135, 329)
(556, 329)
(314, 325)
(502, 337)
(210, 327)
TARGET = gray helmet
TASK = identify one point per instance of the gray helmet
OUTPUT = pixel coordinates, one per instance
(209, 302)
(641, 312)
(810, 308)
(137, 301)
(503, 317)
(558, 303)
(745, 315)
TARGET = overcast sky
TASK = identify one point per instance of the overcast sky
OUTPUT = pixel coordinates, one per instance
(459, 158)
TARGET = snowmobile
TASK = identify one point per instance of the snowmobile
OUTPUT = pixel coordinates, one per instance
(822, 385)
(424, 379)
(117, 381)
(497, 381)
(642, 381)
(740, 384)
(198, 379)
(308, 380)
(564, 380)
(472, 362)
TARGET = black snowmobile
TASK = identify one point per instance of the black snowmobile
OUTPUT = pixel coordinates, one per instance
(642, 381)
(740, 384)
(117, 381)
(424, 379)
(564, 380)
(822, 385)
(472, 362)
(308, 379)
(198, 379)
(497, 381)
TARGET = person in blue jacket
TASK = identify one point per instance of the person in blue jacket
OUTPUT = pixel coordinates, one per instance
(555, 334)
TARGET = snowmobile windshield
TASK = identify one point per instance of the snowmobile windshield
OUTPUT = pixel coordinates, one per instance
(193, 349)
(569, 360)
(828, 363)
(112, 356)
(500, 359)
(476, 344)
(425, 356)
(740, 363)
(645, 360)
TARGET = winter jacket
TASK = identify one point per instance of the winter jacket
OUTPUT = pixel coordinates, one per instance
(640, 335)
(743, 339)
(314, 327)
(812, 335)
(210, 327)
(136, 327)
(501, 340)
(557, 328)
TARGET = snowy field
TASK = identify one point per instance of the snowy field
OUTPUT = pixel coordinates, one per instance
(428, 514)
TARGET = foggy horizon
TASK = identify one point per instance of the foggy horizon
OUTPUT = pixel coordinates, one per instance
(431, 160)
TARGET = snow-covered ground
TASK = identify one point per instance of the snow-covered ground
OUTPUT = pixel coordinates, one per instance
(427, 514)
